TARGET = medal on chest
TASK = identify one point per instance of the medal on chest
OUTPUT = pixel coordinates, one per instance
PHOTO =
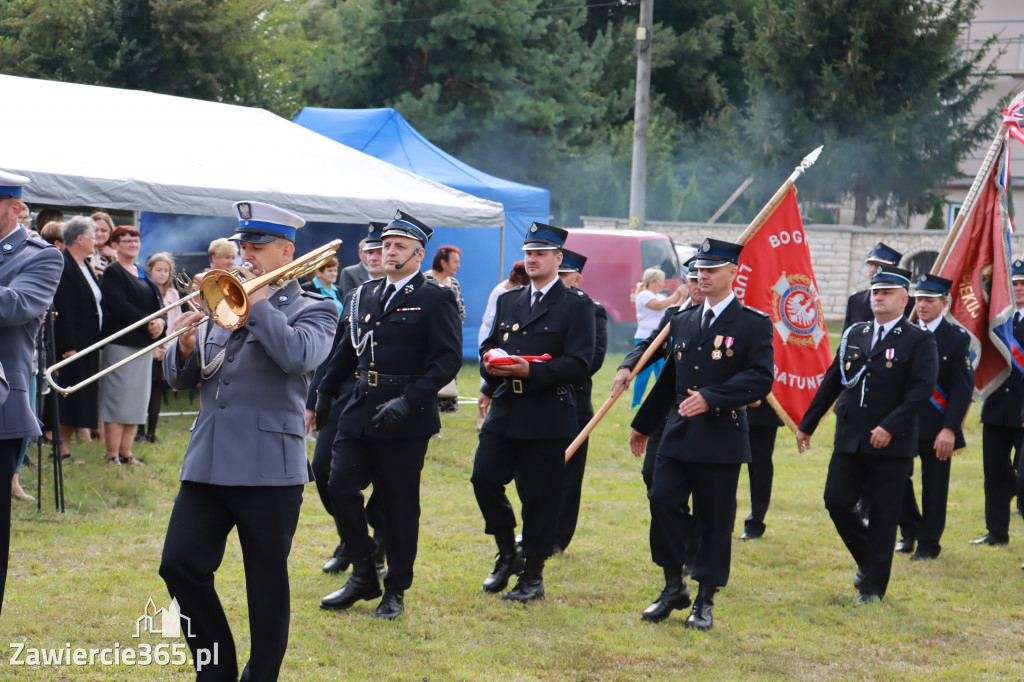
(728, 346)
(890, 354)
(716, 354)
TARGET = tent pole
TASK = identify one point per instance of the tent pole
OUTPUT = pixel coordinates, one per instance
(501, 255)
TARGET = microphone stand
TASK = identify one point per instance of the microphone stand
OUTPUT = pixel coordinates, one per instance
(46, 355)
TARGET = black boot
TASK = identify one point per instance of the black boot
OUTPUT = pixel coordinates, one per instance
(700, 617)
(339, 562)
(509, 562)
(391, 606)
(362, 584)
(531, 583)
(674, 596)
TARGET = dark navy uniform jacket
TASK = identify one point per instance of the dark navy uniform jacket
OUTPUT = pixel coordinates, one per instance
(952, 395)
(891, 393)
(1005, 405)
(585, 406)
(543, 405)
(728, 382)
(418, 337)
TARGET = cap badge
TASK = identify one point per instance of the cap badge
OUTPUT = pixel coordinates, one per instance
(533, 228)
(245, 210)
(398, 215)
(706, 246)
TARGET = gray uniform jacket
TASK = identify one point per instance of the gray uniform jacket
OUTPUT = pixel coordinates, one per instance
(351, 277)
(29, 273)
(250, 430)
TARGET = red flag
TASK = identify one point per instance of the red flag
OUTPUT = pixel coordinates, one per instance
(775, 276)
(978, 263)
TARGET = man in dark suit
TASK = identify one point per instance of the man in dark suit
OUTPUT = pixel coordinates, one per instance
(571, 273)
(858, 306)
(533, 415)
(654, 424)
(326, 423)
(940, 422)
(246, 463)
(882, 375)
(352, 276)
(404, 343)
(764, 427)
(721, 361)
(1002, 431)
(29, 272)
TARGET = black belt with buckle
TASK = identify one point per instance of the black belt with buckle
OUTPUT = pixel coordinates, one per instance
(374, 379)
(516, 385)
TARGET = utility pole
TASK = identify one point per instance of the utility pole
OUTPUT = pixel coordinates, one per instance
(641, 113)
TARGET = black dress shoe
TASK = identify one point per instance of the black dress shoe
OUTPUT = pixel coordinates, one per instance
(905, 546)
(362, 584)
(866, 598)
(700, 617)
(391, 606)
(339, 562)
(862, 574)
(674, 596)
(505, 566)
(922, 556)
(750, 535)
(989, 539)
(527, 589)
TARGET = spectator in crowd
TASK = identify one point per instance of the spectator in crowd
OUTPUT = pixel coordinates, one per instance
(650, 305)
(447, 261)
(160, 267)
(127, 297)
(77, 326)
(53, 232)
(25, 217)
(48, 215)
(324, 282)
(223, 253)
(103, 253)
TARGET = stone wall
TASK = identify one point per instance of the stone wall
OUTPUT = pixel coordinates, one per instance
(837, 252)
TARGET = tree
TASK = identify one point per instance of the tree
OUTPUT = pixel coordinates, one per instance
(883, 84)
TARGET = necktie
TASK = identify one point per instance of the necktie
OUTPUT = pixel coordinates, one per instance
(1016, 318)
(878, 339)
(536, 298)
(388, 290)
(708, 317)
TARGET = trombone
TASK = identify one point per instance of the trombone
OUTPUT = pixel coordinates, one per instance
(222, 296)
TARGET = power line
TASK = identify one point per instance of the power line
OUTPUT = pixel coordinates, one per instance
(540, 10)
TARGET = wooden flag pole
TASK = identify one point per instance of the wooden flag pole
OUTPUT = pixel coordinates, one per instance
(972, 194)
(759, 220)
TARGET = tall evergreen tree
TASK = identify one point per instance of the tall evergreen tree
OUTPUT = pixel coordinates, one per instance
(884, 84)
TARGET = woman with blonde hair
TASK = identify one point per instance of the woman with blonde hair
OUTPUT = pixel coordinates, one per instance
(650, 306)
(160, 269)
(103, 252)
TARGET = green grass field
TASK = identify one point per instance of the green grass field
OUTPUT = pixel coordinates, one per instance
(83, 578)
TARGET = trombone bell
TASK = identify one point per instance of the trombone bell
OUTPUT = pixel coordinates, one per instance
(224, 299)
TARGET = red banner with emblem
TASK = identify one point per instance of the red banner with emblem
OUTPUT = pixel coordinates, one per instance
(981, 298)
(775, 276)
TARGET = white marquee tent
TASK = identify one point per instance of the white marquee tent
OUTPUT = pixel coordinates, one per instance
(85, 145)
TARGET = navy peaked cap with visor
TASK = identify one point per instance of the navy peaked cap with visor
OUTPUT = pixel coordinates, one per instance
(11, 184)
(374, 238)
(886, 255)
(714, 253)
(891, 277)
(540, 237)
(404, 225)
(572, 261)
(932, 285)
(1017, 270)
(260, 223)
(689, 269)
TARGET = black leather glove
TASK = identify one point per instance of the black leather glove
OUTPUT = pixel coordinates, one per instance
(322, 411)
(391, 413)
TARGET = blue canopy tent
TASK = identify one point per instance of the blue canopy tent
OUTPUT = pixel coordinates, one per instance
(386, 135)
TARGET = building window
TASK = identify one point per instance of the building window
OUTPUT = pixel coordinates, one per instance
(954, 211)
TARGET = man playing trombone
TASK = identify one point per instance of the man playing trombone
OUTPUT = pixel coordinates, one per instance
(246, 460)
